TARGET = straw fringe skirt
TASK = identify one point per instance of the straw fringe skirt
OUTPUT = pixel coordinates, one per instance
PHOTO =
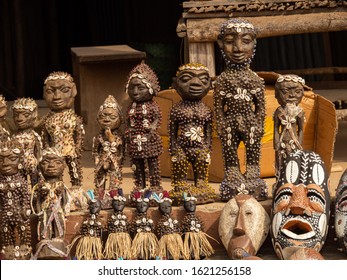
(144, 246)
(117, 246)
(172, 245)
(196, 244)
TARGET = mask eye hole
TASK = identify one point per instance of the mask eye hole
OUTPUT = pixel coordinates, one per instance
(318, 174)
(292, 172)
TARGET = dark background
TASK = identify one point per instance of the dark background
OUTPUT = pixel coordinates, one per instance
(36, 37)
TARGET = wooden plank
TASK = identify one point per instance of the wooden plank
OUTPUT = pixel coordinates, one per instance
(203, 53)
(207, 30)
(315, 71)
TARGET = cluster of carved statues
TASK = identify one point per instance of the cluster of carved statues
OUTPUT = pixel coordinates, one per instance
(33, 158)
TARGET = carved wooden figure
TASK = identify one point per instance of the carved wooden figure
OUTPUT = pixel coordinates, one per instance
(63, 129)
(118, 243)
(25, 115)
(145, 244)
(51, 202)
(168, 231)
(289, 118)
(195, 240)
(301, 204)
(240, 110)
(89, 241)
(14, 203)
(243, 226)
(143, 141)
(190, 130)
(108, 150)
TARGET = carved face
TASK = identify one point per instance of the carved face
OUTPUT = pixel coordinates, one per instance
(243, 226)
(190, 205)
(24, 119)
(109, 118)
(59, 94)
(300, 210)
(165, 207)
(142, 206)
(94, 207)
(192, 84)
(341, 212)
(9, 161)
(52, 166)
(289, 92)
(118, 205)
(138, 91)
(238, 46)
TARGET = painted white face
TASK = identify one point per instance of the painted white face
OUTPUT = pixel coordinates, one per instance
(300, 210)
(341, 212)
(243, 225)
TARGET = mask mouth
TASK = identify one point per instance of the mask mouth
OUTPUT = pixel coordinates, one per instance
(298, 229)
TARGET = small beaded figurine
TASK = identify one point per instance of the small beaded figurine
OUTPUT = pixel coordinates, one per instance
(108, 150)
(50, 201)
(144, 144)
(118, 243)
(240, 110)
(191, 134)
(63, 129)
(89, 246)
(145, 243)
(25, 114)
(168, 231)
(196, 244)
(14, 203)
(289, 118)
(4, 132)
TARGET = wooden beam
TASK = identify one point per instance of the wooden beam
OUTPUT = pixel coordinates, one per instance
(315, 71)
(207, 30)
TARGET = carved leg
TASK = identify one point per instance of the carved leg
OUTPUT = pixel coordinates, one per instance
(138, 166)
(154, 174)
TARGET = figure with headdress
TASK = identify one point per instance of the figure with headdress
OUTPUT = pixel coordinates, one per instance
(289, 118)
(4, 129)
(195, 240)
(145, 242)
(143, 142)
(118, 243)
(108, 150)
(89, 241)
(240, 110)
(191, 134)
(14, 203)
(50, 201)
(25, 116)
(63, 129)
(168, 230)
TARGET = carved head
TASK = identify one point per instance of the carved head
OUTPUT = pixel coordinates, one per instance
(301, 204)
(11, 157)
(243, 226)
(192, 81)
(59, 91)
(289, 89)
(142, 83)
(52, 164)
(237, 41)
(341, 212)
(110, 114)
(118, 200)
(24, 113)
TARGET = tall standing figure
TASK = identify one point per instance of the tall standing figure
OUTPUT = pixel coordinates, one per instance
(63, 129)
(4, 130)
(240, 110)
(191, 134)
(289, 118)
(143, 141)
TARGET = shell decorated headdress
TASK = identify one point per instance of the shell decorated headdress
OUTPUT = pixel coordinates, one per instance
(111, 102)
(191, 66)
(117, 194)
(59, 75)
(160, 198)
(147, 76)
(290, 78)
(25, 104)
